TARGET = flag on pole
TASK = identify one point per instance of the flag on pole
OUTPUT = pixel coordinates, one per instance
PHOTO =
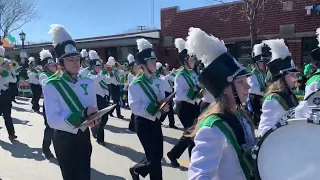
(8, 42)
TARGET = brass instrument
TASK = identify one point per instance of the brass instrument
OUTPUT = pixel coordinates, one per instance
(1, 60)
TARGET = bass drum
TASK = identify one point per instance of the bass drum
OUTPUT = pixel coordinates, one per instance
(289, 151)
(314, 98)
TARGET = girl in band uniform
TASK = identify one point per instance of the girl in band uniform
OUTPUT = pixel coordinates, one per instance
(223, 131)
(279, 96)
(145, 96)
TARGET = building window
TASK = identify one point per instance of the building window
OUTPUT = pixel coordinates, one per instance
(288, 6)
(308, 44)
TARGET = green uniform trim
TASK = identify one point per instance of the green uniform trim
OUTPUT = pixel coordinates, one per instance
(261, 78)
(70, 98)
(214, 120)
(313, 79)
(103, 85)
(278, 98)
(4, 73)
(187, 76)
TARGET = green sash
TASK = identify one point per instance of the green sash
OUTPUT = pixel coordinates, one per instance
(216, 121)
(186, 75)
(261, 79)
(144, 83)
(278, 98)
(70, 98)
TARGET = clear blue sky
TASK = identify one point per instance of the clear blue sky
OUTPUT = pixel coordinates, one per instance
(89, 18)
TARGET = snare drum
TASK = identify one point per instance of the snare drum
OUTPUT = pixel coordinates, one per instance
(289, 151)
(314, 99)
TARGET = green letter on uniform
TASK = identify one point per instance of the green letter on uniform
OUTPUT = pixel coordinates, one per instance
(84, 87)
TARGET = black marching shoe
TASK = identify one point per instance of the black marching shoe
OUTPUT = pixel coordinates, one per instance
(173, 127)
(134, 175)
(120, 116)
(12, 137)
(174, 162)
(48, 155)
(102, 143)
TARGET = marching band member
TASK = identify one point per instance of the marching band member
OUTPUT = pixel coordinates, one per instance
(69, 99)
(50, 69)
(85, 68)
(223, 130)
(101, 88)
(313, 83)
(5, 97)
(185, 85)
(145, 96)
(168, 79)
(114, 80)
(279, 96)
(135, 70)
(12, 78)
(257, 81)
(35, 86)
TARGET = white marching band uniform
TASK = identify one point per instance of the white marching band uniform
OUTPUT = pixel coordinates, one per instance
(207, 97)
(183, 88)
(168, 82)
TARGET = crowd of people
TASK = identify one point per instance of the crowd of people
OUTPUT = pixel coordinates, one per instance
(218, 102)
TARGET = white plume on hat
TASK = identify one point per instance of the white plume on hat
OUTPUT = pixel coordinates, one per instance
(257, 49)
(2, 51)
(111, 61)
(143, 44)
(131, 58)
(278, 48)
(44, 53)
(318, 36)
(158, 65)
(180, 44)
(93, 55)
(205, 47)
(59, 34)
(84, 53)
(31, 59)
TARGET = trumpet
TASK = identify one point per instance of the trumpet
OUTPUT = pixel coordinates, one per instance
(14, 64)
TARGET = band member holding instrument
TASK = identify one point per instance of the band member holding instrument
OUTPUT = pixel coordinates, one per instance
(135, 69)
(50, 69)
(33, 74)
(187, 109)
(257, 81)
(223, 133)
(69, 99)
(5, 97)
(313, 83)
(101, 88)
(146, 94)
(168, 79)
(279, 96)
(13, 88)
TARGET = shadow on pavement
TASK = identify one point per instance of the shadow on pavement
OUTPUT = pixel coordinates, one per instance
(170, 140)
(96, 175)
(20, 109)
(115, 129)
(18, 121)
(21, 150)
(130, 153)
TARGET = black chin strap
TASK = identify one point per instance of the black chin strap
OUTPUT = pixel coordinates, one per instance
(235, 94)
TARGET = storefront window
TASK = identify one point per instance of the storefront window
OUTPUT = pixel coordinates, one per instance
(308, 44)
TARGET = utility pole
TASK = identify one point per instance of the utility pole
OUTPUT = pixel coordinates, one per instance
(152, 14)
(141, 28)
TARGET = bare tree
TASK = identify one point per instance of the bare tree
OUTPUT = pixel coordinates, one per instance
(16, 13)
(249, 10)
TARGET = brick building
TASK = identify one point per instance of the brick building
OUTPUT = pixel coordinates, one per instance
(290, 20)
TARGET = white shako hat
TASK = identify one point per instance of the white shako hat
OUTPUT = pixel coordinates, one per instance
(145, 51)
(84, 55)
(111, 61)
(94, 58)
(221, 69)
(32, 61)
(180, 45)
(131, 60)
(315, 54)
(64, 45)
(46, 58)
(261, 53)
(281, 61)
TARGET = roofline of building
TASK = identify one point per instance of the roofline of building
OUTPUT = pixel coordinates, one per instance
(202, 7)
(97, 38)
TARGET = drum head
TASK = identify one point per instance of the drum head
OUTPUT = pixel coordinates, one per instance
(290, 152)
(314, 99)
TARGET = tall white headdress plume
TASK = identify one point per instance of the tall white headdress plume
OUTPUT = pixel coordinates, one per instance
(93, 55)
(45, 53)
(318, 36)
(158, 65)
(257, 49)
(206, 48)
(278, 48)
(111, 61)
(143, 44)
(59, 34)
(180, 44)
(84, 53)
(31, 59)
(131, 58)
